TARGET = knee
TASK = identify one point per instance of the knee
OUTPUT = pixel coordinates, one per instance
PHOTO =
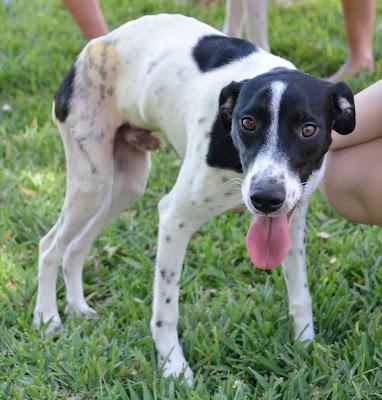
(73, 249)
(44, 243)
(49, 249)
(164, 203)
(167, 210)
(343, 197)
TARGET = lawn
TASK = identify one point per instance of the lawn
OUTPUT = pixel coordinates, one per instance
(235, 328)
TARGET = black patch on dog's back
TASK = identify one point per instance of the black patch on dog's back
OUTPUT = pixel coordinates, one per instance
(214, 51)
(221, 151)
(63, 95)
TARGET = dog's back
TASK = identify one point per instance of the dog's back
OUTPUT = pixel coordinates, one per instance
(179, 55)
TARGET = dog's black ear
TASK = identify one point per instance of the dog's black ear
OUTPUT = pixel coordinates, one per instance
(227, 102)
(343, 108)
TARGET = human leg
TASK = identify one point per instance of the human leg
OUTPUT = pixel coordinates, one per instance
(359, 19)
(257, 22)
(353, 178)
(353, 182)
(88, 16)
(234, 18)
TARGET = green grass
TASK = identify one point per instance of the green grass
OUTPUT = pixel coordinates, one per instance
(234, 321)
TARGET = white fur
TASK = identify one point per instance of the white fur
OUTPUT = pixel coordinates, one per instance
(277, 90)
(344, 104)
(294, 266)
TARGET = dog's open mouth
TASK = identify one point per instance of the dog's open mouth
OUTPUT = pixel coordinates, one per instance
(268, 240)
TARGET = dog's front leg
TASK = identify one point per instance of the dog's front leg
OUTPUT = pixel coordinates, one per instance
(294, 267)
(200, 194)
(174, 234)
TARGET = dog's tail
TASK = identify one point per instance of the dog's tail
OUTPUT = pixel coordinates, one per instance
(140, 138)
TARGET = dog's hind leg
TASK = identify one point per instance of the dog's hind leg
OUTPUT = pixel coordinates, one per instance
(49, 259)
(127, 183)
(88, 185)
(92, 201)
(107, 169)
(199, 194)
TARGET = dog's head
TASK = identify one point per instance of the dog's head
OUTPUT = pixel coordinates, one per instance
(281, 124)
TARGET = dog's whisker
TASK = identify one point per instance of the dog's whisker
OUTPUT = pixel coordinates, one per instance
(233, 186)
(233, 181)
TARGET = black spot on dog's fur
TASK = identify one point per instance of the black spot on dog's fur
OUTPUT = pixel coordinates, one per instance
(151, 67)
(155, 62)
(181, 73)
(103, 72)
(64, 94)
(214, 51)
(81, 144)
(110, 91)
(102, 90)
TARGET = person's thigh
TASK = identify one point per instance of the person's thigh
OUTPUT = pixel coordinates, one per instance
(353, 181)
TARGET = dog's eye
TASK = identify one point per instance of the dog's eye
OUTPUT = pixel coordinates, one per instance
(248, 124)
(309, 130)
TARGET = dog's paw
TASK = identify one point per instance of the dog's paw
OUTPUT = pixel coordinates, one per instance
(81, 310)
(176, 366)
(181, 371)
(51, 322)
(305, 335)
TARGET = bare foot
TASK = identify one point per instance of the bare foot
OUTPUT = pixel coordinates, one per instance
(351, 68)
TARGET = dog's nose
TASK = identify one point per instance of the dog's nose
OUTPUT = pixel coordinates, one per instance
(268, 199)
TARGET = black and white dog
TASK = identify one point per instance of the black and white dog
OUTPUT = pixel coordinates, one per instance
(231, 110)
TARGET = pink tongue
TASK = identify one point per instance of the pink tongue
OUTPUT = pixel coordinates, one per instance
(268, 241)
